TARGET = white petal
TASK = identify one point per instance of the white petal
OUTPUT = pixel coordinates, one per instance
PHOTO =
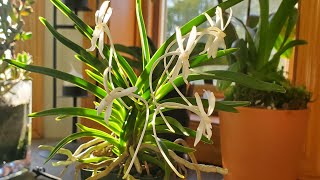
(102, 11)
(107, 113)
(213, 49)
(222, 43)
(101, 45)
(228, 21)
(105, 78)
(176, 69)
(199, 133)
(208, 130)
(110, 56)
(93, 44)
(209, 19)
(102, 106)
(97, 31)
(199, 104)
(219, 17)
(185, 71)
(192, 38)
(179, 39)
(212, 102)
(205, 48)
(209, 42)
(96, 16)
(107, 16)
(95, 36)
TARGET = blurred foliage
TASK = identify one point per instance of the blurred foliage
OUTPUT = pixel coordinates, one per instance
(11, 31)
(295, 98)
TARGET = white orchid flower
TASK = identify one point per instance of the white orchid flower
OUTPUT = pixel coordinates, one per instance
(183, 60)
(205, 126)
(107, 102)
(102, 16)
(216, 38)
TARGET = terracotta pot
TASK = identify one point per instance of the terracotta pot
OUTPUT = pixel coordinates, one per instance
(261, 144)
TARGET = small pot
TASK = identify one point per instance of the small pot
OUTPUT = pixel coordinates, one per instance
(15, 130)
(261, 144)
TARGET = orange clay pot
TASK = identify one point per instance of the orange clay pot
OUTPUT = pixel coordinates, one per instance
(261, 144)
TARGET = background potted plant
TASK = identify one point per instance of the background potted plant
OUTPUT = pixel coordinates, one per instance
(131, 107)
(265, 141)
(15, 90)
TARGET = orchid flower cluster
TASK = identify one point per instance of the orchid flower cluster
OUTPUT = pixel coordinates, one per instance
(215, 41)
(132, 107)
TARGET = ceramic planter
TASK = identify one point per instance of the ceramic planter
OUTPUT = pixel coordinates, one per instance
(15, 130)
(261, 144)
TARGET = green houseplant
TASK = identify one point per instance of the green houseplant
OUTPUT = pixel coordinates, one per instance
(15, 90)
(268, 37)
(271, 132)
(132, 106)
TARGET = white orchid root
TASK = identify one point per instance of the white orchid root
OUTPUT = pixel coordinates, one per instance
(192, 166)
(191, 156)
(127, 157)
(135, 161)
(109, 168)
(86, 145)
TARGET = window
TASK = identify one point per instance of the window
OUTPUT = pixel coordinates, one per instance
(178, 12)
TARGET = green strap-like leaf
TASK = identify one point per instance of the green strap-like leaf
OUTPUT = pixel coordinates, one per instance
(87, 30)
(142, 82)
(78, 22)
(171, 145)
(249, 39)
(88, 58)
(112, 140)
(172, 121)
(151, 159)
(236, 77)
(127, 69)
(235, 103)
(274, 62)
(203, 59)
(262, 36)
(164, 129)
(177, 147)
(94, 76)
(240, 78)
(143, 34)
(287, 46)
(80, 112)
(228, 106)
(291, 23)
(193, 134)
(70, 138)
(95, 159)
(96, 90)
(278, 21)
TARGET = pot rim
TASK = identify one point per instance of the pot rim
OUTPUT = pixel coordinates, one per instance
(269, 110)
